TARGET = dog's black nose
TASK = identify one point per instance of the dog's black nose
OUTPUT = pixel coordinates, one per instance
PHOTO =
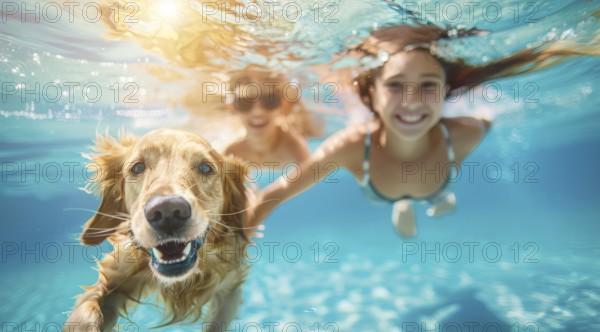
(167, 213)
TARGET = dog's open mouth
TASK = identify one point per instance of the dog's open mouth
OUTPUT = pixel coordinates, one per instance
(174, 258)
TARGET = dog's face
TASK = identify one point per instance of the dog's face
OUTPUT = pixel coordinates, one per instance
(174, 187)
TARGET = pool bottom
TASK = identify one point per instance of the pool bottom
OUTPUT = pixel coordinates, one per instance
(356, 292)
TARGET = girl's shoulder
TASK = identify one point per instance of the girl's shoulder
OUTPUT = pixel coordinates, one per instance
(235, 148)
(296, 144)
(351, 137)
(467, 124)
(466, 133)
(346, 146)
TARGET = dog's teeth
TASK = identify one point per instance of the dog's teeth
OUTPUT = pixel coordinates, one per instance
(187, 250)
(157, 254)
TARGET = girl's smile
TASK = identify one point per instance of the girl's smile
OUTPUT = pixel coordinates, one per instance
(258, 122)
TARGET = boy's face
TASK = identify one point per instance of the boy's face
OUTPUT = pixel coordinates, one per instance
(408, 94)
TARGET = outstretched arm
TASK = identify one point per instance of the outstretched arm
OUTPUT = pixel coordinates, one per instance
(332, 154)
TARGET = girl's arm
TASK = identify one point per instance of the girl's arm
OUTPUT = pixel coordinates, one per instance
(332, 154)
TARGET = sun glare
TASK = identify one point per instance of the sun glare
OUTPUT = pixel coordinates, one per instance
(168, 8)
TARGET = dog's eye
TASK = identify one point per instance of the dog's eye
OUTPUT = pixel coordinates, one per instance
(138, 168)
(206, 168)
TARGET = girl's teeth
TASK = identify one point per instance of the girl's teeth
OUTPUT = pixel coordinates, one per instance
(257, 123)
(411, 118)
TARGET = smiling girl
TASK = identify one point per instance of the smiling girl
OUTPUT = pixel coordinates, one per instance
(392, 156)
(274, 118)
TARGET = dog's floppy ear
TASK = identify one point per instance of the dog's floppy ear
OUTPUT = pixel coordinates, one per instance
(108, 182)
(235, 205)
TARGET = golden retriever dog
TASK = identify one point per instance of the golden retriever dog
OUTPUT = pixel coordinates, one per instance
(173, 210)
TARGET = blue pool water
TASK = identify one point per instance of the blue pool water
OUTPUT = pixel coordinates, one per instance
(519, 254)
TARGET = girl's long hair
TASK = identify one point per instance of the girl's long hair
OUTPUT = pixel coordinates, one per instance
(461, 76)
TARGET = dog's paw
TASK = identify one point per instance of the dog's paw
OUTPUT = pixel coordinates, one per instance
(87, 316)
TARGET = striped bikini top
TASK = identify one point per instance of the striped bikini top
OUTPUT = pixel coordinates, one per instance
(374, 195)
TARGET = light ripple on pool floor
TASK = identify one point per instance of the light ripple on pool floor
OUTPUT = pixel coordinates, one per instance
(376, 294)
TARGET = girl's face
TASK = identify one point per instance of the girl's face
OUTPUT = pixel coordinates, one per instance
(258, 112)
(408, 94)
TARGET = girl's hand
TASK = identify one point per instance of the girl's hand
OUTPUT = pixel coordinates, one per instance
(252, 223)
(255, 232)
